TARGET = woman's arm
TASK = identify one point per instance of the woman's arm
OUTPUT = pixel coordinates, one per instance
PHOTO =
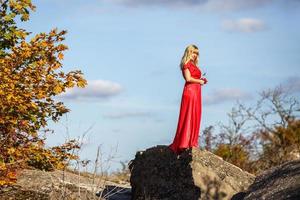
(189, 78)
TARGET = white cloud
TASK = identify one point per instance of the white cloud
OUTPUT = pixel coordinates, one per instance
(121, 115)
(226, 94)
(246, 25)
(231, 5)
(100, 89)
(219, 5)
(160, 2)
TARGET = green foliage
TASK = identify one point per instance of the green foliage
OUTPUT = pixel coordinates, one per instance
(9, 32)
(56, 157)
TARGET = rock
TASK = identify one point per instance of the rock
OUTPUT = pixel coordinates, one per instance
(37, 184)
(41, 185)
(279, 183)
(112, 192)
(158, 173)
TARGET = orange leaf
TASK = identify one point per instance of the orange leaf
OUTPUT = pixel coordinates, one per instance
(61, 56)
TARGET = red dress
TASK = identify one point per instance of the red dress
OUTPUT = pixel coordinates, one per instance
(188, 126)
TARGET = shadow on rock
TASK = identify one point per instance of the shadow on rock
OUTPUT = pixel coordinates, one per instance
(158, 173)
(278, 183)
(112, 192)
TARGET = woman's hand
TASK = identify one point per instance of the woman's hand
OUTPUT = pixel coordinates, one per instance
(204, 80)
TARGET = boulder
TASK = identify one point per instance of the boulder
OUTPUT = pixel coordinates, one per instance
(158, 173)
(42, 185)
(278, 183)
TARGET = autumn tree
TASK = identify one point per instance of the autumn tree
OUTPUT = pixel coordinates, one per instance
(30, 76)
(277, 127)
(208, 138)
(233, 142)
(254, 134)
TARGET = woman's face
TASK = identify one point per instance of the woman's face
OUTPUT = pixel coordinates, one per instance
(194, 54)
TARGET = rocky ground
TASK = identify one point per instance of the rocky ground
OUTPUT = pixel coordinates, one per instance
(41, 185)
(158, 174)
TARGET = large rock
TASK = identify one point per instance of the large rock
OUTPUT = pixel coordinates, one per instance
(279, 183)
(41, 185)
(37, 184)
(158, 173)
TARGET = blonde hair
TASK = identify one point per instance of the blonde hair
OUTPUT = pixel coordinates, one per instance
(187, 55)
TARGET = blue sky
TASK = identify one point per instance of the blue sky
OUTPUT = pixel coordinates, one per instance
(129, 51)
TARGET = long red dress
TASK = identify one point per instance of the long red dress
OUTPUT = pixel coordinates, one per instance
(188, 126)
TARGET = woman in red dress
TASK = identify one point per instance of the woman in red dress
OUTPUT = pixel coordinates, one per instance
(188, 126)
